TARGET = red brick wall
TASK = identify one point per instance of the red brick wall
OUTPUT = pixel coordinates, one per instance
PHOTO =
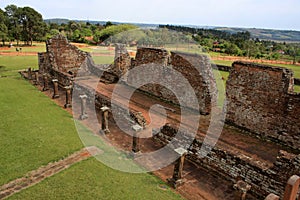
(260, 101)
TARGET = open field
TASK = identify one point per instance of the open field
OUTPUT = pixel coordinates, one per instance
(34, 130)
(90, 179)
(31, 138)
(37, 47)
(9, 65)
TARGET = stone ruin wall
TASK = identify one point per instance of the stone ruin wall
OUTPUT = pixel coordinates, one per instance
(63, 60)
(261, 100)
(151, 55)
(194, 68)
(64, 56)
(263, 179)
(197, 70)
(122, 61)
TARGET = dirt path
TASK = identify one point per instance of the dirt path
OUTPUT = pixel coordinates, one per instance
(40, 174)
(231, 139)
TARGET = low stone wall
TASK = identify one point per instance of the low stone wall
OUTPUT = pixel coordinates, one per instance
(263, 178)
(223, 68)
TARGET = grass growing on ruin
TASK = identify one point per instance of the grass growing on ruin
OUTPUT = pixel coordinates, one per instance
(33, 129)
(90, 179)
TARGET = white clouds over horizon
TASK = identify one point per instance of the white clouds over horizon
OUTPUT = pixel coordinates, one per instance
(235, 13)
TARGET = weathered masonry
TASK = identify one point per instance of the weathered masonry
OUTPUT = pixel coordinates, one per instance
(263, 178)
(196, 69)
(261, 100)
(63, 61)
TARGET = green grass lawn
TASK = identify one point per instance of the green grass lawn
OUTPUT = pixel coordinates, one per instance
(34, 130)
(37, 47)
(9, 65)
(90, 179)
(223, 62)
(103, 59)
(297, 88)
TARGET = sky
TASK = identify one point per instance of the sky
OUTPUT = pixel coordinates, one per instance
(270, 14)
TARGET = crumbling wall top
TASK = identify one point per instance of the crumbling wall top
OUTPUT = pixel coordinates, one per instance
(151, 55)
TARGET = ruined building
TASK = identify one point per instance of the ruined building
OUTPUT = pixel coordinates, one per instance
(63, 60)
(260, 102)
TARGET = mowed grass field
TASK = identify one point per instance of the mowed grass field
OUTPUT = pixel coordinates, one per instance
(90, 179)
(35, 131)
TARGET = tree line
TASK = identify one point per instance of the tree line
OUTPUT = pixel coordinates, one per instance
(26, 24)
(240, 43)
(21, 23)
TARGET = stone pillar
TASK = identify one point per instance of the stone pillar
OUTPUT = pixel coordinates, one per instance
(68, 97)
(29, 73)
(104, 116)
(36, 75)
(83, 114)
(46, 84)
(55, 89)
(292, 187)
(243, 188)
(176, 179)
(135, 139)
(272, 197)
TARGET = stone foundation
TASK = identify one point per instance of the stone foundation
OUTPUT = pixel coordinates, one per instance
(262, 177)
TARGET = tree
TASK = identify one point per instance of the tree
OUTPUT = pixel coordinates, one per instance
(52, 33)
(3, 27)
(33, 26)
(232, 49)
(294, 51)
(14, 26)
(108, 24)
(112, 30)
(25, 23)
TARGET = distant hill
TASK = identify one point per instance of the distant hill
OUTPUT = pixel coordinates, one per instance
(65, 21)
(263, 34)
(267, 34)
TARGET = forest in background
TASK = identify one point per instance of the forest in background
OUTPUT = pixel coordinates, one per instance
(27, 25)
